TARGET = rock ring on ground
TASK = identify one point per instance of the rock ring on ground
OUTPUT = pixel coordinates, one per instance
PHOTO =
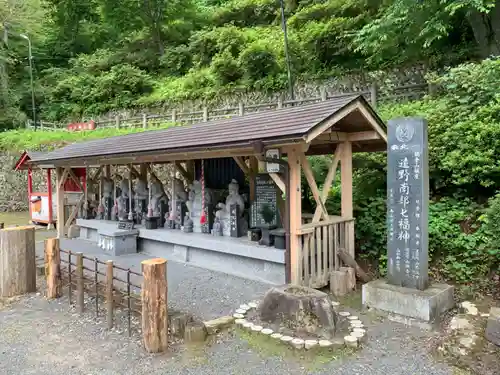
(241, 311)
(344, 314)
(286, 339)
(256, 328)
(325, 343)
(309, 344)
(352, 317)
(266, 331)
(298, 343)
(238, 316)
(276, 335)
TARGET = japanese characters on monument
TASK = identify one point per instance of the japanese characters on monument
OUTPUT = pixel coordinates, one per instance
(407, 202)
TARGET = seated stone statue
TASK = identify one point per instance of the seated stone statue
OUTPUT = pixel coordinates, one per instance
(107, 197)
(141, 196)
(123, 200)
(178, 194)
(234, 198)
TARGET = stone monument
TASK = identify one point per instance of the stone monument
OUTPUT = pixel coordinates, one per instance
(122, 201)
(407, 293)
(107, 197)
(159, 201)
(194, 204)
(141, 196)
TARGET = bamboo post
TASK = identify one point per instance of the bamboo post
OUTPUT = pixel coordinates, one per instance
(144, 121)
(280, 102)
(323, 93)
(79, 282)
(109, 293)
(154, 305)
(17, 261)
(241, 109)
(205, 114)
(117, 121)
(53, 268)
(174, 115)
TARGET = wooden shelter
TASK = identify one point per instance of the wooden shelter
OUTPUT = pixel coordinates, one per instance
(341, 127)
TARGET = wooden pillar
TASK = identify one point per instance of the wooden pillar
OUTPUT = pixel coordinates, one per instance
(53, 268)
(30, 189)
(346, 193)
(49, 192)
(107, 171)
(254, 169)
(295, 211)
(143, 171)
(154, 305)
(17, 261)
(60, 202)
(109, 294)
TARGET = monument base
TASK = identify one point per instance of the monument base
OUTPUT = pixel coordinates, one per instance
(407, 305)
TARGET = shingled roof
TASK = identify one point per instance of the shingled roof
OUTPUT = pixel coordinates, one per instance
(282, 124)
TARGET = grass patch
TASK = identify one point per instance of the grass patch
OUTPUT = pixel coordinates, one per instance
(20, 140)
(310, 359)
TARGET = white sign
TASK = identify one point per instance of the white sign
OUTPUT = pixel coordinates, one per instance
(273, 153)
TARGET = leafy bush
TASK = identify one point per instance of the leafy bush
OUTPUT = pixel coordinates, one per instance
(257, 62)
(245, 13)
(226, 69)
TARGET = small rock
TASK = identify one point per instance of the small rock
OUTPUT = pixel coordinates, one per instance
(244, 307)
(298, 343)
(325, 343)
(344, 314)
(266, 331)
(355, 321)
(468, 342)
(493, 326)
(195, 332)
(357, 325)
(335, 304)
(458, 323)
(484, 315)
(240, 322)
(286, 339)
(238, 316)
(215, 325)
(309, 344)
(241, 311)
(276, 335)
(252, 305)
(248, 325)
(351, 341)
(469, 308)
(352, 317)
(357, 329)
(360, 336)
(256, 328)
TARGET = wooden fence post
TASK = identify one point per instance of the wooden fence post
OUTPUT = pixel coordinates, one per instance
(144, 121)
(280, 101)
(79, 282)
(17, 261)
(53, 268)
(154, 305)
(174, 115)
(374, 95)
(109, 293)
(323, 94)
(241, 109)
(117, 121)
(205, 114)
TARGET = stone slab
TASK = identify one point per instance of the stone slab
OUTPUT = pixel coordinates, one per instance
(493, 326)
(425, 305)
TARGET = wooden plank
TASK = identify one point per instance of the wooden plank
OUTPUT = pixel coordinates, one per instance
(324, 126)
(326, 268)
(182, 171)
(312, 184)
(72, 175)
(75, 211)
(307, 228)
(64, 176)
(254, 169)
(319, 250)
(330, 178)
(331, 248)
(306, 254)
(312, 247)
(278, 181)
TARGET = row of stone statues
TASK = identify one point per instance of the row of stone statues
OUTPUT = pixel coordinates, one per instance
(175, 208)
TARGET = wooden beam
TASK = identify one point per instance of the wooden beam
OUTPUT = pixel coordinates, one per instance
(60, 202)
(364, 136)
(278, 180)
(241, 163)
(330, 177)
(337, 137)
(295, 202)
(373, 122)
(346, 191)
(254, 169)
(74, 178)
(64, 176)
(75, 211)
(143, 171)
(314, 187)
(96, 174)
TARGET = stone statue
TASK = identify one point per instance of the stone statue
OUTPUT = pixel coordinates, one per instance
(107, 197)
(123, 200)
(158, 197)
(194, 203)
(217, 230)
(178, 194)
(188, 224)
(141, 197)
(234, 198)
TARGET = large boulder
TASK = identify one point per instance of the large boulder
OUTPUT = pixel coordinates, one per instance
(301, 309)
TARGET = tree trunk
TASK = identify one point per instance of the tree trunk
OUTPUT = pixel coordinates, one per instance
(17, 261)
(486, 29)
(154, 305)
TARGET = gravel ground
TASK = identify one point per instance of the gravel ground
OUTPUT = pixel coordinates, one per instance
(48, 338)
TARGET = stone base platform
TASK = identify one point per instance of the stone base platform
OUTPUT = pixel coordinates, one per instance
(409, 306)
(235, 256)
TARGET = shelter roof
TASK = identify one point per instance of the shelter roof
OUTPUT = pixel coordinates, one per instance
(349, 114)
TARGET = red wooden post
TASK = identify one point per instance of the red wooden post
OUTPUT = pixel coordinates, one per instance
(30, 189)
(49, 191)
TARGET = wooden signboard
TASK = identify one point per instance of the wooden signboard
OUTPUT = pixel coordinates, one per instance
(266, 193)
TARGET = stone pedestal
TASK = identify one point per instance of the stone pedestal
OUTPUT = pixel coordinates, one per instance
(118, 241)
(409, 305)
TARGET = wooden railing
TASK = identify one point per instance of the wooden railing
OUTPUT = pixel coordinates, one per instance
(320, 245)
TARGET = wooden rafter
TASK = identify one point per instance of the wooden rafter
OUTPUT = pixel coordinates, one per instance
(278, 180)
(312, 184)
(182, 171)
(330, 178)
